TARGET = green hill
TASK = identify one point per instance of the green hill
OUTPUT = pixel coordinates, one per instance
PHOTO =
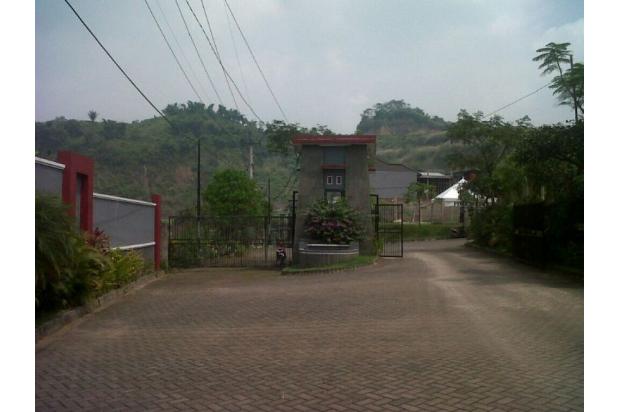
(408, 135)
(149, 156)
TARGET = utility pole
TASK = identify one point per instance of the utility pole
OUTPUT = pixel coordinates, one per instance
(269, 197)
(198, 206)
(250, 161)
(574, 92)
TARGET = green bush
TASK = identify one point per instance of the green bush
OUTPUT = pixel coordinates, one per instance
(65, 264)
(493, 226)
(70, 266)
(333, 223)
(122, 267)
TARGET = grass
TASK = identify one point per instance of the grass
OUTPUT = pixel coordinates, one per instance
(348, 264)
(425, 231)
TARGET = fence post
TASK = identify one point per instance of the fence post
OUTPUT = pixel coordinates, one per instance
(157, 231)
(78, 174)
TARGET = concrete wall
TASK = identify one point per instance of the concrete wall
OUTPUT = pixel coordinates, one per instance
(48, 176)
(129, 223)
(357, 191)
(311, 188)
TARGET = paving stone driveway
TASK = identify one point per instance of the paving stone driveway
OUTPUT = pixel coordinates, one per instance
(447, 328)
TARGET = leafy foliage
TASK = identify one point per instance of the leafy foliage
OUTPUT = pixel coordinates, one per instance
(279, 135)
(122, 268)
(407, 135)
(232, 193)
(568, 85)
(336, 222)
(64, 264)
(71, 267)
(398, 117)
(143, 157)
(525, 168)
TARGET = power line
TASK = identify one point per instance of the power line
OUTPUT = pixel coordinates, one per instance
(198, 53)
(173, 54)
(516, 101)
(255, 61)
(169, 27)
(212, 35)
(116, 63)
(242, 76)
(221, 63)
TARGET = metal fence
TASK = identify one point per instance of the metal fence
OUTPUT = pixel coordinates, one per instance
(231, 241)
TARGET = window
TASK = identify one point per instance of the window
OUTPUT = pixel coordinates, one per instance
(329, 180)
(339, 180)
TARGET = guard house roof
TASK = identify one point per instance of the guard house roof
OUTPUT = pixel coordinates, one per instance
(333, 140)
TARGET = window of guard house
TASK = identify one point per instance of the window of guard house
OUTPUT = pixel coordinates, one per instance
(329, 180)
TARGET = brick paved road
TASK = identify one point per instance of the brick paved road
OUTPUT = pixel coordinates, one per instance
(447, 328)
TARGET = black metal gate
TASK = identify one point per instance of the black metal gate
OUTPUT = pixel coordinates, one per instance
(389, 229)
(232, 241)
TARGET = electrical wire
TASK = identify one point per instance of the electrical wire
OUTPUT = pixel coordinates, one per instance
(173, 54)
(184, 56)
(212, 36)
(198, 53)
(242, 75)
(516, 101)
(256, 62)
(116, 63)
(221, 63)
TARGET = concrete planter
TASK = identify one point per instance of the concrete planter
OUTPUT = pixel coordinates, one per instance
(322, 254)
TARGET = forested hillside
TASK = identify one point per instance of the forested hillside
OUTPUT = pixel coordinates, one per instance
(150, 156)
(408, 135)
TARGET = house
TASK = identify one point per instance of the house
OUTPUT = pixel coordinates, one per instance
(438, 180)
(390, 181)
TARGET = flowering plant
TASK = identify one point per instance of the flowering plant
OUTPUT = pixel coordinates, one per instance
(334, 223)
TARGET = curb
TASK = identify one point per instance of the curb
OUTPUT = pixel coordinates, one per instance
(65, 318)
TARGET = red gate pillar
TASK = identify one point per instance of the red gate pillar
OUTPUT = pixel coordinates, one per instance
(78, 169)
(157, 231)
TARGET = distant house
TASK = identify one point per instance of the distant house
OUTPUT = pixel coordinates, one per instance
(390, 181)
(440, 181)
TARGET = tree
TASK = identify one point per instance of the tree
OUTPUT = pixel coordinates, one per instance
(232, 194)
(418, 192)
(568, 85)
(92, 115)
(279, 135)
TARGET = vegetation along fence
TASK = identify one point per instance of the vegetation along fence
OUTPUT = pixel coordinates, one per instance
(231, 241)
(550, 233)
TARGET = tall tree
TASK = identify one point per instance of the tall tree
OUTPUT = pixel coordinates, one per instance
(568, 84)
(92, 115)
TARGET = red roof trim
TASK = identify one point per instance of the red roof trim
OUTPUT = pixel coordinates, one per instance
(334, 139)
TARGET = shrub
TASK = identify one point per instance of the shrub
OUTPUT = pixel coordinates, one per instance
(333, 223)
(123, 267)
(493, 226)
(64, 263)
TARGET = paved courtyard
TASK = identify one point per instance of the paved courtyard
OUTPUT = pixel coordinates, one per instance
(447, 328)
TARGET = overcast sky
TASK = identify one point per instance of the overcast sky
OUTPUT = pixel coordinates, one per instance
(326, 61)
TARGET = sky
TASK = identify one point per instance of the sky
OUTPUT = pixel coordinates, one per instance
(326, 60)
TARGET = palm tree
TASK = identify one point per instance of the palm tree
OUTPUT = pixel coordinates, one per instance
(551, 57)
